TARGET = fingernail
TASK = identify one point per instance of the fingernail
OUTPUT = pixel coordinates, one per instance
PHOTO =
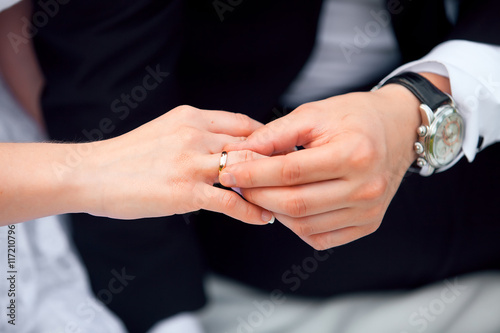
(227, 179)
(268, 217)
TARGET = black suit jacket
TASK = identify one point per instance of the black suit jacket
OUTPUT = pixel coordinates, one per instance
(95, 53)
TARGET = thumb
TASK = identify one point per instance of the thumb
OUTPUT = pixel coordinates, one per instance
(280, 135)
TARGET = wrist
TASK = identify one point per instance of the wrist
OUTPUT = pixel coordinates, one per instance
(81, 177)
(441, 132)
(439, 81)
(401, 108)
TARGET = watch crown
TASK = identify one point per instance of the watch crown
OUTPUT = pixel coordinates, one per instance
(422, 131)
(418, 147)
(421, 162)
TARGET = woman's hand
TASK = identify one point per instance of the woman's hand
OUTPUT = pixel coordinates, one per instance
(168, 166)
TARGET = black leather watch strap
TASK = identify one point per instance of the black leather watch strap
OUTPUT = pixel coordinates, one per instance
(424, 90)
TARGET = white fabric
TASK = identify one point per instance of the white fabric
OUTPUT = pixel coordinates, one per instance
(4, 4)
(52, 291)
(184, 322)
(459, 305)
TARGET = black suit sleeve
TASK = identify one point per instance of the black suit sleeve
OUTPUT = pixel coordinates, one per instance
(478, 21)
(419, 26)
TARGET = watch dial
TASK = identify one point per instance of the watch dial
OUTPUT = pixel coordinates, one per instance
(448, 139)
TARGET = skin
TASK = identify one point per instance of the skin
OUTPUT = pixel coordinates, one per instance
(167, 166)
(337, 190)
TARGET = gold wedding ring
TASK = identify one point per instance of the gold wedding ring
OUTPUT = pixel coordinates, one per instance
(223, 161)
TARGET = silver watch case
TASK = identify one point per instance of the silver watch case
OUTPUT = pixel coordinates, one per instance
(440, 136)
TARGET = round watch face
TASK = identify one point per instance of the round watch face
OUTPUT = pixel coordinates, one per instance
(447, 136)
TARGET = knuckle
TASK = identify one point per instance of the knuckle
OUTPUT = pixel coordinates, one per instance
(320, 243)
(248, 194)
(182, 162)
(375, 214)
(291, 172)
(302, 229)
(295, 206)
(363, 156)
(374, 190)
(183, 110)
(244, 120)
(371, 228)
(248, 155)
(229, 200)
(307, 107)
(189, 135)
(247, 177)
(206, 195)
(356, 233)
(245, 212)
(379, 186)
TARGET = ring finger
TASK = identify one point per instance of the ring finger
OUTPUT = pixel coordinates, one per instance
(210, 163)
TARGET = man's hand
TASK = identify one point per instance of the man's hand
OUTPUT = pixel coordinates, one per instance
(358, 147)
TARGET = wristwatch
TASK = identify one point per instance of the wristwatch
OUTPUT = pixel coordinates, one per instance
(441, 134)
